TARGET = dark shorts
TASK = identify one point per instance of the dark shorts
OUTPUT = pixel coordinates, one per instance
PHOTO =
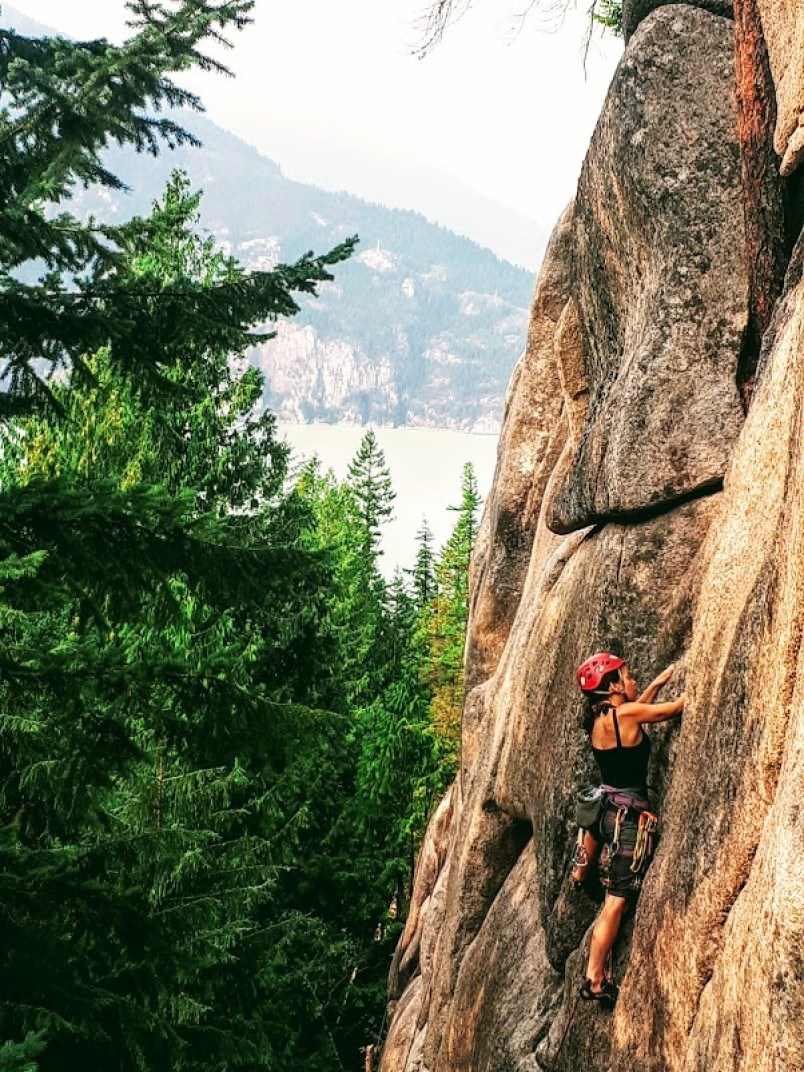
(615, 861)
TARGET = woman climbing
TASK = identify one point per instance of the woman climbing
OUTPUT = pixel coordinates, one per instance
(623, 829)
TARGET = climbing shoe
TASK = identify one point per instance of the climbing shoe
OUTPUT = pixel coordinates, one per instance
(606, 996)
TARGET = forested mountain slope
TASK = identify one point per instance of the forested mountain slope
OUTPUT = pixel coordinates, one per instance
(422, 327)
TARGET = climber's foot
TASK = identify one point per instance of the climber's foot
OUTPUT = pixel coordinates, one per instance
(607, 994)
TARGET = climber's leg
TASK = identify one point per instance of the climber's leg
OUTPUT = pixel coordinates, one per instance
(585, 855)
(603, 935)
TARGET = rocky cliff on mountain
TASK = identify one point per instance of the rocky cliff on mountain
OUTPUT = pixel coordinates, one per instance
(649, 499)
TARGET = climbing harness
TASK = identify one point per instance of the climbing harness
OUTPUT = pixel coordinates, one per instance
(642, 851)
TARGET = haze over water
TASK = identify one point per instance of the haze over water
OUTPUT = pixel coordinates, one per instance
(425, 465)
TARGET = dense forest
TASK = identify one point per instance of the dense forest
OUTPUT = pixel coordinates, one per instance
(221, 731)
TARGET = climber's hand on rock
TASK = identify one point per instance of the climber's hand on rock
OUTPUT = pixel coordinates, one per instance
(649, 695)
(665, 676)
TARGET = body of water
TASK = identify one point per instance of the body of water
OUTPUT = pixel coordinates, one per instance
(425, 466)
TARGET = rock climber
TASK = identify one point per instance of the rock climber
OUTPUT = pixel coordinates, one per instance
(620, 836)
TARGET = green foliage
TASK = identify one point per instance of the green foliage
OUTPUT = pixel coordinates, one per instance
(158, 602)
(20, 1056)
(370, 484)
(146, 555)
(423, 572)
(217, 751)
(449, 617)
(63, 104)
(609, 13)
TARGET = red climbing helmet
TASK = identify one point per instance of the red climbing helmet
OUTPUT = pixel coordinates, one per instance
(592, 672)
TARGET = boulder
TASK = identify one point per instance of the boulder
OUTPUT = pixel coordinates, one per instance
(402, 1049)
(625, 588)
(654, 560)
(660, 280)
(488, 843)
(429, 865)
(783, 29)
(634, 11)
(629, 587)
(490, 1028)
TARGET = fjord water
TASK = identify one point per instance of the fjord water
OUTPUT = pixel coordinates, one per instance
(425, 466)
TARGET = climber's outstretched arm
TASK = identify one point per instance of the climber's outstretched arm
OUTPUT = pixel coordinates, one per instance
(648, 712)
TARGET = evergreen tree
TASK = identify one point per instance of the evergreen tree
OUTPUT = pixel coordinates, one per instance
(63, 103)
(370, 482)
(399, 767)
(153, 582)
(423, 572)
(216, 748)
(450, 615)
(155, 597)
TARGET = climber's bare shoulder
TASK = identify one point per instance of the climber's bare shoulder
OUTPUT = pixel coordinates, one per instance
(639, 713)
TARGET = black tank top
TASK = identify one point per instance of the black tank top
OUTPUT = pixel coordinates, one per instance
(624, 767)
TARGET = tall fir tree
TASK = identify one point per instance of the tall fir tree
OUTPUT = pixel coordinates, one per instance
(217, 754)
(370, 482)
(151, 728)
(450, 615)
(156, 600)
(63, 104)
(423, 572)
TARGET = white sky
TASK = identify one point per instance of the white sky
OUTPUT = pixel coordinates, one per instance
(328, 88)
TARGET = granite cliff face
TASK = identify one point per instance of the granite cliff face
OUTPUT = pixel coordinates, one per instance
(649, 498)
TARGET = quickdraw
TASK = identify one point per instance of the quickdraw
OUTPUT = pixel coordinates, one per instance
(642, 852)
(580, 856)
(643, 849)
(622, 811)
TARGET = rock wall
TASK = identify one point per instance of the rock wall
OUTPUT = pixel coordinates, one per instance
(636, 507)
(783, 29)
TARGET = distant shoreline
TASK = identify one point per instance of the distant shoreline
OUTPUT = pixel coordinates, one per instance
(492, 433)
(425, 465)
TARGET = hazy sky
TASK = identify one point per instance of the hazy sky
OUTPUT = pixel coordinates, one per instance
(328, 88)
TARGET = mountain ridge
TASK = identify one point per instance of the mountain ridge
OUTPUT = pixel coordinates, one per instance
(422, 327)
